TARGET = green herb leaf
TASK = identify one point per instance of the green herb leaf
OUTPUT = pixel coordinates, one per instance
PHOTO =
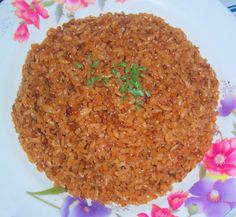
(121, 64)
(142, 68)
(124, 87)
(134, 66)
(124, 77)
(53, 190)
(136, 83)
(79, 65)
(105, 80)
(131, 82)
(138, 104)
(131, 86)
(136, 92)
(127, 70)
(147, 93)
(94, 64)
(92, 80)
(114, 72)
(234, 132)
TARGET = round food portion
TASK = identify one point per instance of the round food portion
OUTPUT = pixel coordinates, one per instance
(116, 108)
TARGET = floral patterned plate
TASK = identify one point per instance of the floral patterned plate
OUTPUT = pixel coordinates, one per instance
(209, 190)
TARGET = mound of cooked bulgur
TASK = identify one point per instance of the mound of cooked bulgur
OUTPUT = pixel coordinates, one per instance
(116, 108)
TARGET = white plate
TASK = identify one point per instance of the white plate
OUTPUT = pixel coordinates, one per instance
(206, 23)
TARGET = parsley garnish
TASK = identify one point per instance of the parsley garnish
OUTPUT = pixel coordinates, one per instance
(121, 64)
(92, 80)
(138, 104)
(124, 77)
(79, 65)
(127, 70)
(129, 78)
(94, 64)
(124, 87)
(136, 92)
(113, 71)
(105, 80)
(131, 82)
(147, 93)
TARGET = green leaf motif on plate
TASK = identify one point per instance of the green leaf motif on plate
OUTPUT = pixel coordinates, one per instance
(202, 171)
(234, 131)
(101, 4)
(234, 124)
(59, 12)
(50, 191)
(48, 3)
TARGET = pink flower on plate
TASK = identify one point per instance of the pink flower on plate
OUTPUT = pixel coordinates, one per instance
(158, 212)
(73, 5)
(142, 215)
(21, 5)
(177, 199)
(39, 8)
(121, 1)
(31, 17)
(30, 14)
(221, 158)
(83, 3)
(22, 33)
(25, 12)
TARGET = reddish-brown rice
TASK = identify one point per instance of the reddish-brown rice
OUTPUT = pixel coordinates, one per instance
(85, 138)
